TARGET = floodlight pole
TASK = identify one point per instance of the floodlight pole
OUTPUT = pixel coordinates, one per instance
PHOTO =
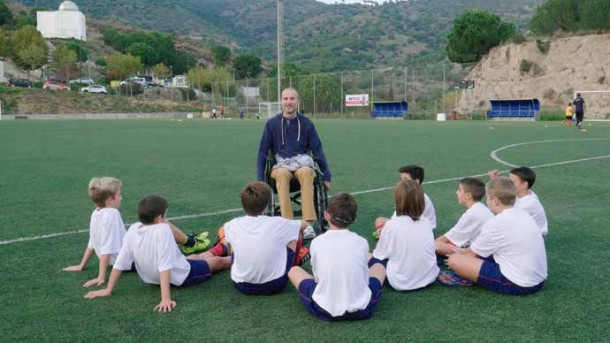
(280, 46)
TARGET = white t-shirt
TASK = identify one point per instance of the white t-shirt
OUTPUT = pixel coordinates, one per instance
(339, 265)
(531, 204)
(153, 250)
(514, 240)
(106, 232)
(429, 213)
(469, 225)
(259, 247)
(409, 246)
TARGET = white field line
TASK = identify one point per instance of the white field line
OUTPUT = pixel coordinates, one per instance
(493, 155)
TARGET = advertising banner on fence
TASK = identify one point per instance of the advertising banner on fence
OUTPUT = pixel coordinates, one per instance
(357, 100)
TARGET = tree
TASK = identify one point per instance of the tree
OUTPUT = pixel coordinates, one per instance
(29, 49)
(247, 66)
(474, 33)
(5, 48)
(81, 53)
(121, 66)
(556, 15)
(64, 58)
(221, 54)
(595, 14)
(160, 70)
(31, 57)
(209, 80)
(147, 54)
(327, 93)
(6, 16)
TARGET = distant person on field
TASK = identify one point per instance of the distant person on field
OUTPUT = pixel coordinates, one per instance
(342, 287)
(214, 113)
(579, 107)
(411, 172)
(263, 248)
(290, 137)
(524, 178)
(508, 257)
(406, 246)
(150, 246)
(222, 112)
(241, 113)
(470, 192)
(569, 114)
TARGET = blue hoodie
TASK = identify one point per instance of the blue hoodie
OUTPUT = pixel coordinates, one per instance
(288, 138)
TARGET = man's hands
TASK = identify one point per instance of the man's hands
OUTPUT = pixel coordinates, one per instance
(98, 294)
(494, 174)
(327, 184)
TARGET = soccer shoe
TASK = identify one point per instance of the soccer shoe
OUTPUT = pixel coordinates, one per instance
(201, 242)
(449, 278)
(302, 256)
(309, 232)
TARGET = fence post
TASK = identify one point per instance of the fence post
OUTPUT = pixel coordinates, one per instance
(372, 88)
(314, 95)
(341, 95)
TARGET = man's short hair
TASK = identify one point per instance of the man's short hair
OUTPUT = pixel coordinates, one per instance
(409, 198)
(577, 95)
(150, 208)
(503, 189)
(291, 89)
(416, 172)
(103, 188)
(525, 174)
(474, 186)
(255, 197)
(342, 209)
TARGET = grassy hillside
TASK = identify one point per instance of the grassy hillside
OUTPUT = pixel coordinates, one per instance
(318, 36)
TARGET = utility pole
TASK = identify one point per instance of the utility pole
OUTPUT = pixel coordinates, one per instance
(280, 47)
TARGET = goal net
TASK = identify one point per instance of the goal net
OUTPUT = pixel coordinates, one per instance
(597, 104)
(269, 109)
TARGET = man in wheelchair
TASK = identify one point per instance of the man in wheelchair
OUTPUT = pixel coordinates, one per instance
(289, 138)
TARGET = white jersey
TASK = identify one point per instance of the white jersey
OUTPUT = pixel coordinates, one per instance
(153, 250)
(531, 204)
(429, 213)
(259, 247)
(468, 227)
(106, 232)
(514, 240)
(339, 265)
(409, 246)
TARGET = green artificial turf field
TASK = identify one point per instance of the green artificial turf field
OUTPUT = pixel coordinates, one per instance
(200, 167)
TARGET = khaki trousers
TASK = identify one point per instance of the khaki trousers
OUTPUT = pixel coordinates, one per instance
(282, 178)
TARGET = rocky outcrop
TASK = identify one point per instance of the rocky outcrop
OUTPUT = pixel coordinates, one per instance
(551, 71)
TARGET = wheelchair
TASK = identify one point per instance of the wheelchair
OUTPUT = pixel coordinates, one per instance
(320, 195)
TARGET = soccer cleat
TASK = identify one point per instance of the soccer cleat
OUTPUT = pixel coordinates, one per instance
(302, 256)
(201, 242)
(309, 232)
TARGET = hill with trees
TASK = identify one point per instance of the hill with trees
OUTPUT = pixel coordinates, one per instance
(318, 36)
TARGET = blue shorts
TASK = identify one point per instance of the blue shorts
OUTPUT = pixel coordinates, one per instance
(269, 287)
(492, 278)
(308, 286)
(199, 273)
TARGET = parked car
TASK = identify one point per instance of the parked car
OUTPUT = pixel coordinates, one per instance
(56, 86)
(20, 83)
(134, 79)
(95, 89)
(83, 80)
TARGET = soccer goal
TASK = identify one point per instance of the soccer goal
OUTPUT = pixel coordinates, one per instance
(597, 104)
(269, 109)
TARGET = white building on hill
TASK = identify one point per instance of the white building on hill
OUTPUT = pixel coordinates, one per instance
(67, 22)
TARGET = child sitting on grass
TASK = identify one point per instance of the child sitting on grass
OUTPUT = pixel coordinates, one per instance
(106, 229)
(151, 247)
(263, 248)
(342, 287)
(469, 193)
(524, 178)
(508, 256)
(411, 172)
(406, 246)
